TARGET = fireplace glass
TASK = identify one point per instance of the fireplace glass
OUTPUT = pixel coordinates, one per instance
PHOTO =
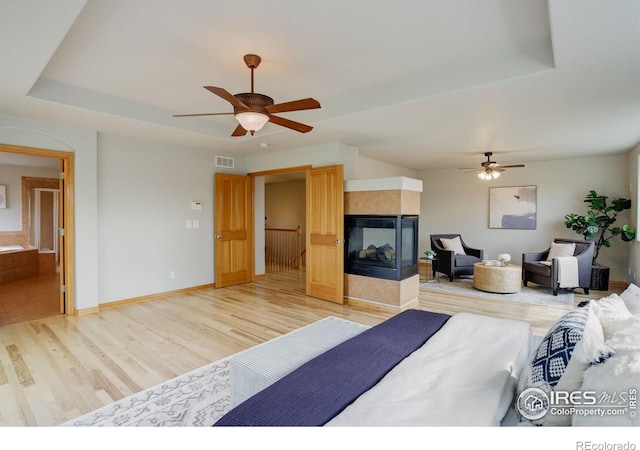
(382, 246)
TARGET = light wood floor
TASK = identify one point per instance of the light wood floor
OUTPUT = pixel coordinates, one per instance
(55, 369)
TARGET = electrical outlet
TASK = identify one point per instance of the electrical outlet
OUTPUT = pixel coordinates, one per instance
(172, 274)
(196, 224)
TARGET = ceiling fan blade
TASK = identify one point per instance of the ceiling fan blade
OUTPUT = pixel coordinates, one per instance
(296, 105)
(239, 131)
(511, 165)
(227, 96)
(202, 114)
(297, 126)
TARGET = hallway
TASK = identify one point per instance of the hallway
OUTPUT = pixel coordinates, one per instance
(30, 299)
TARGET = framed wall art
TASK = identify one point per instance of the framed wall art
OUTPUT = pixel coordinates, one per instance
(3, 196)
(513, 207)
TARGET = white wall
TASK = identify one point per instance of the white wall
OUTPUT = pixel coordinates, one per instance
(145, 195)
(372, 168)
(11, 177)
(317, 156)
(457, 202)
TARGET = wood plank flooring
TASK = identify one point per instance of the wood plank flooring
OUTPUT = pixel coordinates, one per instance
(58, 368)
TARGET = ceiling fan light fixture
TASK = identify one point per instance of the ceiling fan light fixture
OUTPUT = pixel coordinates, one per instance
(490, 170)
(252, 121)
(488, 174)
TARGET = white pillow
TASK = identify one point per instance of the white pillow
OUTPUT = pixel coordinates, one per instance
(626, 340)
(631, 298)
(561, 250)
(454, 244)
(619, 374)
(613, 314)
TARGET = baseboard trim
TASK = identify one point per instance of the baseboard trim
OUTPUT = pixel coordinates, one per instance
(144, 298)
(87, 311)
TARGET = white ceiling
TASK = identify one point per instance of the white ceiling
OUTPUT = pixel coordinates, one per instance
(419, 83)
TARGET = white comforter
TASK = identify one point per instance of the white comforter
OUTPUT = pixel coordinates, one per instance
(465, 375)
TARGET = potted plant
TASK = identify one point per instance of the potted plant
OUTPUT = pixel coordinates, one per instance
(430, 254)
(596, 226)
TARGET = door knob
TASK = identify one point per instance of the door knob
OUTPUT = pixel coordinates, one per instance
(218, 236)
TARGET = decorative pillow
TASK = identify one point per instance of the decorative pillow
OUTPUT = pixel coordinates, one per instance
(454, 244)
(575, 336)
(631, 298)
(613, 314)
(561, 250)
(618, 377)
(627, 339)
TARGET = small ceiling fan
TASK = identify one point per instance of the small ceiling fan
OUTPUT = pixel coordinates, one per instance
(253, 110)
(490, 170)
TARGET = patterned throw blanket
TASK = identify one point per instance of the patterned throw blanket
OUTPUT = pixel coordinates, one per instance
(321, 388)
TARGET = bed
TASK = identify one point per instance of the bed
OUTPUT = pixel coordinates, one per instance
(421, 368)
(379, 378)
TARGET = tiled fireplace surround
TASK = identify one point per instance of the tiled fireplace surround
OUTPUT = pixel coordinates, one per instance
(382, 196)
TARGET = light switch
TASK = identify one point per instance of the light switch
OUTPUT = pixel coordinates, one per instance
(189, 224)
(196, 224)
(196, 205)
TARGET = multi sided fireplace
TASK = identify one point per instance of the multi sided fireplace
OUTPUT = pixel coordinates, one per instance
(381, 246)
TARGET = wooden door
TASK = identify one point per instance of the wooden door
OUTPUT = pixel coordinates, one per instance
(233, 226)
(325, 229)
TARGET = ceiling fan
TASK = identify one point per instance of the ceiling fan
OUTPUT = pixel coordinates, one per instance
(253, 110)
(490, 170)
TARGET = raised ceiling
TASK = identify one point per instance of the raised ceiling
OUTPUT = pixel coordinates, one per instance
(419, 83)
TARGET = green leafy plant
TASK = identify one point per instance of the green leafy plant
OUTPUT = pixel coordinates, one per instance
(596, 224)
(430, 253)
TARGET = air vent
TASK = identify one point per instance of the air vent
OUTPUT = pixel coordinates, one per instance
(224, 161)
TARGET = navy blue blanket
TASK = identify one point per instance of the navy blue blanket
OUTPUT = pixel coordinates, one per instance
(320, 389)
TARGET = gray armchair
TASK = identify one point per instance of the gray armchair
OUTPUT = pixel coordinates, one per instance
(545, 275)
(451, 264)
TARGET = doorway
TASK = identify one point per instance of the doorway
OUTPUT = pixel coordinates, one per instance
(285, 224)
(38, 281)
(236, 239)
(323, 206)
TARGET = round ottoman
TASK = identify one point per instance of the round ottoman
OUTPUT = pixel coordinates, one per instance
(500, 279)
